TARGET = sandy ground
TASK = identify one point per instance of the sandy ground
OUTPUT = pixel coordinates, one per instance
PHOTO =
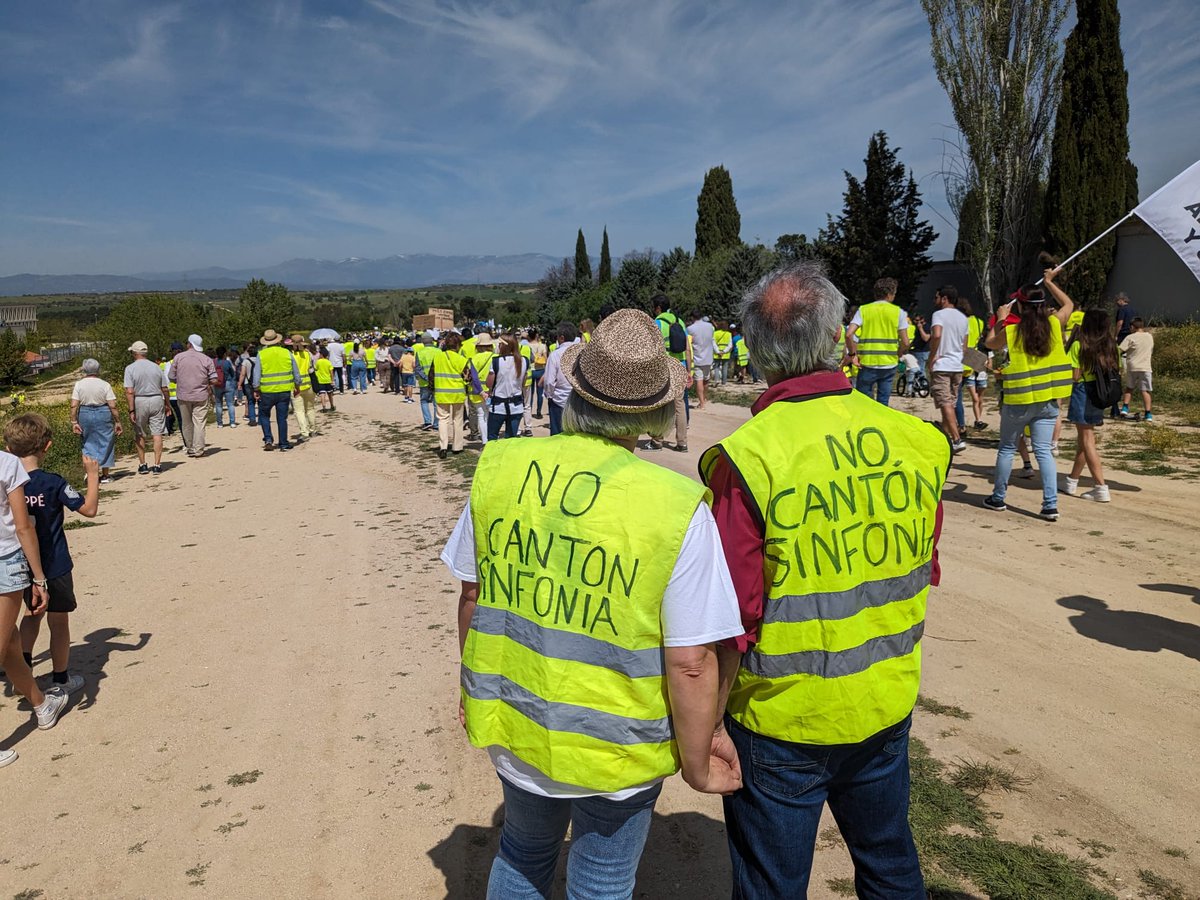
(271, 662)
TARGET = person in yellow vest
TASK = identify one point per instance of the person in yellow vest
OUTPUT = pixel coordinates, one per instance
(173, 409)
(424, 352)
(722, 349)
(450, 376)
(477, 399)
(828, 504)
(276, 379)
(877, 338)
(371, 346)
(588, 684)
(742, 353)
(323, 371)
(974, 382)
(305, 401)
(1037, 376)
(586, 327)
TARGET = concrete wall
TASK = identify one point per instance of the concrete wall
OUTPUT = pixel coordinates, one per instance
(1159, 284)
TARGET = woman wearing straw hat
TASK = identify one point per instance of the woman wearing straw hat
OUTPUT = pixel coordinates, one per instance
(587, 630)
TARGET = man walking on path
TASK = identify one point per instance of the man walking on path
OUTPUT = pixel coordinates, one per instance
(675, 341)
(558, 387)
(276, 379)
(424, 353)
(306, 398)
(878, 337)
(147, 394)
(822, 685)
(703, 353)
(947, 341)
(194, 375)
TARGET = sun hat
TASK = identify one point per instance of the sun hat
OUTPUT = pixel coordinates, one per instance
(483, 339)
(625, 367)
(196, 341)
(139, 347)
(298, 340)
(270, 338)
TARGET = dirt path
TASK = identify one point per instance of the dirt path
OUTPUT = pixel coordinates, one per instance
(271, 662)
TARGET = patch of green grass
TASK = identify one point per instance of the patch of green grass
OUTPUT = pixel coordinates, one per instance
(244, 778)
(1160, 888)
(72, 524)
(843, 887)
(29, 894)
(204, 787)
(229, 826)
(1095, 849)
(977, 779)
(424, 786)
(196, 873)
(1095, 534)
(732, 398)
(933, 707)
(137, 848)
(1177, 852)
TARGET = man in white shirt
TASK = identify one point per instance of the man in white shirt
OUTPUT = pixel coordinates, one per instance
(337, 357)
(703, 347)
(557, 387)
(947, 340)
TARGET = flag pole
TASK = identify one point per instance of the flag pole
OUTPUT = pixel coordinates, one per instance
(1107, 231)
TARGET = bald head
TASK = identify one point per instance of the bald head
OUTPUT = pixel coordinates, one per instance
(791, 320)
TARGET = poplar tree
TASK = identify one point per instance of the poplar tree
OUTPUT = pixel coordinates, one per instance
(1091, 177)
(718, 223)
(605, 260)
(583, 265)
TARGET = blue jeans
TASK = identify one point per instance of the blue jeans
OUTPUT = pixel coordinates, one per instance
(1040, 417)
(958, 408)
(772, 822)
(607, 837)
(251, 413)
(876, 383)
(511, 425)
(427, 404)
(538, 390)
(370, 374)
(556, 412)
(224, 401)
(358, 376)
(279, 402)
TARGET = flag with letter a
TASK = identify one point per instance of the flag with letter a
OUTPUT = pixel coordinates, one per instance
(1173, 211)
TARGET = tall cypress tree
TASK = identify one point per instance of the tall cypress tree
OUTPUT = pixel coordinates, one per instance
(1092, 180)
(605, 261)
(718, 223)
(583, 265)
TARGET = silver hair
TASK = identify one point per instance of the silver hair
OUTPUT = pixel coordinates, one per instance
(791, 319)
(91, 366)
(583, 417)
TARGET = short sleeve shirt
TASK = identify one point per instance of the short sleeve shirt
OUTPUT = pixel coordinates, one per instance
(145, 378)
(12, 476)
(93, 392)
(47, 495)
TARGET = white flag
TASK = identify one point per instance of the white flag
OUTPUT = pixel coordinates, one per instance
(1174, 212)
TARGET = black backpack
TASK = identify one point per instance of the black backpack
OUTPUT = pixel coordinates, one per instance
(676, 336)
(1106, 389)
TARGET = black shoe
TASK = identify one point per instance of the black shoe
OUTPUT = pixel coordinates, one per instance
(441, 454)
(156, 470)
(653, 445)
(284, 447)
(681, 448)
(537, 415)
(143, 469)
(990, 502)
(267, 445)
(1049, 513)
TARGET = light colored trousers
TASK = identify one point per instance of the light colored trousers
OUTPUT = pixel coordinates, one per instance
(193, 416)
(305, 407)
(450, 425)
(480, 412)
(527, 398)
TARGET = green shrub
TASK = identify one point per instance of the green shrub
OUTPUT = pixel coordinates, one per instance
(64, 456)
(1177, 351)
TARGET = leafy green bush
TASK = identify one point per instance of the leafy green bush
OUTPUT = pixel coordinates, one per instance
(1177, 351)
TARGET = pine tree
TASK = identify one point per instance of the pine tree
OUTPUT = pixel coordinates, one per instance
(605, 260)
(1090, 170)
(879, 232)
(583, 265)
(12, 358)
(746, 266)
(636, 281)
(718, 223)
(670, 264)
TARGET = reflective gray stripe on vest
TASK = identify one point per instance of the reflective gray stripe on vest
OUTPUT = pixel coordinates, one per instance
(892, 341)
(1036, 373)
(1040, 386)
(844, 604)
(834, 664)
(568, 645)
(556, 716)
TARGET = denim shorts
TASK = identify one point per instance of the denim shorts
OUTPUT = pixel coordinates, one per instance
(1082, 411)
(14, 573)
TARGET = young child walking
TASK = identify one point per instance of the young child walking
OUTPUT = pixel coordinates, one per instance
(323, 369)
(48, 495)
(21, 571)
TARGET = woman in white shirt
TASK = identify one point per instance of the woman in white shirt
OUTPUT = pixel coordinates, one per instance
(505, 383)
(94, 417)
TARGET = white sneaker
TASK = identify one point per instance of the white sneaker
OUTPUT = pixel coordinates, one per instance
(1098, 494)
(1054, 450)
(1072, 487)
(74, 685)
(7, 758)
(52, 707)
(959, 447)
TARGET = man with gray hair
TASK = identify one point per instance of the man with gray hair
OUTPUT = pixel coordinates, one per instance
(148, 395)
(829, 506)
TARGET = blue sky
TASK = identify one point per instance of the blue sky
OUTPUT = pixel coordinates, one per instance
(143, 136)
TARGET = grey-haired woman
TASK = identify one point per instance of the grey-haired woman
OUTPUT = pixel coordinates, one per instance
(94, 417)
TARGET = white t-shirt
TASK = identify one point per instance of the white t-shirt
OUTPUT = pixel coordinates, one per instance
(910, 363)
(954, 327)
(557, 387)
(901, 327)
(92, 392)
(12, 476)
(702, 342)
(699, 606)
(337, 354)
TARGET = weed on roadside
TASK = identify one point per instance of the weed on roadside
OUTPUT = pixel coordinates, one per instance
(843, 887)
(1160, 888)
(1095, 849)
(977, 779)
(196, 874)
(137, 848)
(1177, 852)
(935, 708)
(244, 778)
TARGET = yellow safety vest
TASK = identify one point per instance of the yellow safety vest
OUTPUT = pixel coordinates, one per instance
(722, 339)
(839, 347)
(563, 663)
(170, 384)
(275, 370)
(1033, 379)
(425, 354)
(528, 355)
(448, 385)
(848, 498)
(481, 361)
(743, 352)
(974, 330)
(369, 351)
(878, 337)
(468, 348)
(304, 362)
(1073, 322)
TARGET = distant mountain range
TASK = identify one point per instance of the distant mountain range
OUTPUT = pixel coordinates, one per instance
(411, 271)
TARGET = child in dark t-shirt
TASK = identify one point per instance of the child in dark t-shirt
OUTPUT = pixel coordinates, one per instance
(47, 495)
